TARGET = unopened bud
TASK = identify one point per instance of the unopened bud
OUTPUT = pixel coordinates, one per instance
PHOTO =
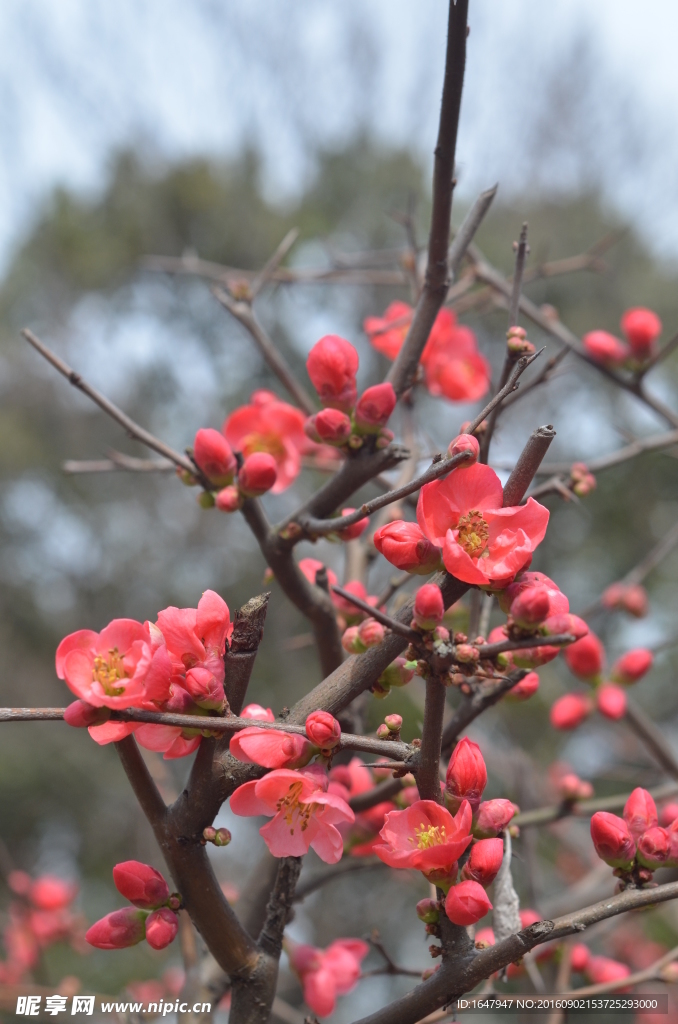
(374, 408)
(213, 454)
(351, 532)
(222, 837)
(517, 343)
(654, 848)
(331, 426)
(463, 443)
(465, 654)
(531, 607)
(257, 474)
(81, 715)
(188, 479)
(206, 499)
(640, 812)
(632, 666)
(570, 711)
(398, 673)
(611, 701)
(209, 834)
(612, 839)
(351, 641)
(428, 911)
(404, 545)
(383, 732)
(229, 499)
(323, 730)
(394, 723)
(466, 776)
(371, 633)
(428, 606)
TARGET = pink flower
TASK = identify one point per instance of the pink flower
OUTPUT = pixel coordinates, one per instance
(370, 634)
(405, 546)
(327, 973)
(642, 327)
(374, 408)
(525, 689)
(118, 930)
(141, 884)
(332, 365)
(304, 815)
(196, 637)
(256, 711)
(269, 425)
(482, 542)
(604, 348)
(51, 893)
(120, 667)
(161, 928)
(388, 332)
(213, 454)
(573, 788)
(427, 838)
(258, 474)
(467, 902)
(229, 499)
(271, 748)
(453, 366)
(323, 730)
(611, 701)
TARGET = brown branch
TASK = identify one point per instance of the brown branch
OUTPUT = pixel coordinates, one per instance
(272, 264)
(248, 630)
(437, 282)
(488, 651)
(652, 737)
(528, 465)
(243, 312)
(279, 905)
(663, 353)
(118, 462)
(510, 386)
(346, 867)
(441, 467)
(382, 791)
(193, 266)
(132, 428)
(428, 774)
(468, 228)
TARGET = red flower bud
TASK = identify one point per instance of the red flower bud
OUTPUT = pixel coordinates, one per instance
(611, 701)
(393, 723)
(370, 633)
(579, 957)
(464, 443)
(668, 815)
(213, 454)
(569, 711)
(467, 903)
(642, 327)
(605, 348)
(323, 730)
(632, 599)
(582, 480)
(602, 970)
(612, 839)
(204, 688)
(586, 657)
(332, 426)
(484, 861)
(141, 884)
(466, 776)
(492, 818)
(632, 666)
(516, 341)
(557, 625)
(405, 546)
(525, 689)
(50, 893)
(654, 848)
(118, 930)
(81, 715)
(640, 812)
(573, 788)
(229, 499)
(332, 365)
(526, 580)
(374, 408)
(531, 607)
(161, 928)
(351, 532)
(428, 606)
(257, 474)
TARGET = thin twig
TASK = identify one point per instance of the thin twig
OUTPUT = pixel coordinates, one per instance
(385, 620)
(273, 262)
(651, 973)
(132, 428)
(652, 737)
(510, 386)
(583, 808)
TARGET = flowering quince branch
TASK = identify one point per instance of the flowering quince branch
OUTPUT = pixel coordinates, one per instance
(582, 808)
(652, 737)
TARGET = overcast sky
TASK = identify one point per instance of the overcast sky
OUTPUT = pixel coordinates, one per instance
(556, 93)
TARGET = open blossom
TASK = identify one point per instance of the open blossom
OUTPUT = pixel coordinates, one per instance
(426, 837)
(269, 425)
(388, 332)
(453, 366)
(271, 748)
(405, 546)
(120, 667)
(326, 973)
(303, 813)
(482, 542)
(332, 365)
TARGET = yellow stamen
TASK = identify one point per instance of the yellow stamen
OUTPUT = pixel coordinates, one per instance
(107, 670)
(428, 836)
(474, 533)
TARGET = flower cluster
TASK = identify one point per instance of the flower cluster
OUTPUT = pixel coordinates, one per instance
(152, 914)
(641, 328)
(40, 915)
(635, 845)
(451, 363)
(326, 973)
(346, 421)
(433, 839)
(175, 664)
(463, 518)
(586, 660)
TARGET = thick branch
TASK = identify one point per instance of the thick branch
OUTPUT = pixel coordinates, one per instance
(428, 775)
(280, 905)
(528, 464)
(436, 283)
(248, 630)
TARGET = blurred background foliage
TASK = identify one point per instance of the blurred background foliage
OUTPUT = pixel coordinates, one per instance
(76, 551)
